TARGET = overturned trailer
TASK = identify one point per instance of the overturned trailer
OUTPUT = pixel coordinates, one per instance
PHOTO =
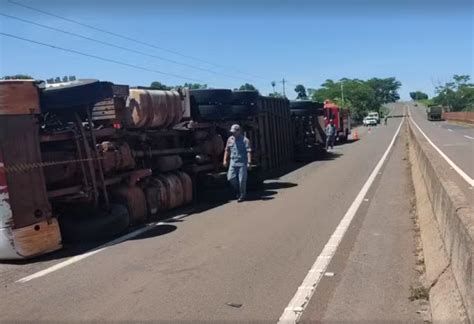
(86, 159)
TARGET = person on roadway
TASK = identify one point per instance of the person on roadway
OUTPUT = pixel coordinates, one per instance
(385, 119)
(240, 154)
(330, 134)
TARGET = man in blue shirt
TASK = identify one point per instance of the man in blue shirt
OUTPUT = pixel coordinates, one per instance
(330, 134)
(240, 154)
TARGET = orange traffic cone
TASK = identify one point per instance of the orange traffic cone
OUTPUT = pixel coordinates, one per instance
(355, 134)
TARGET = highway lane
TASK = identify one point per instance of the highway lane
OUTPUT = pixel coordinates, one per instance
(455, 140)
(233, 262)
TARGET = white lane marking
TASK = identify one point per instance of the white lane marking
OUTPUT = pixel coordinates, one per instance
(456, 144)
(467, 136)
(300, 300)
(101, 248)
(463, 174)
(449, 129)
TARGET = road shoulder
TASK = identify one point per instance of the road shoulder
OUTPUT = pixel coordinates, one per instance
(371, 276)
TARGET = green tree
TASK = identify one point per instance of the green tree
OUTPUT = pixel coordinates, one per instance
(195, 86)
(276, 94)
(17, 77)
(247, 86)
(159, 86)
(273, 86)
(457, 94)
(418, 95)
(359, 97)
(301, 92)
(386, 90)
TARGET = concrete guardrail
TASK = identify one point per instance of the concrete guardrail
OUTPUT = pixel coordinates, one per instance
(447, 235)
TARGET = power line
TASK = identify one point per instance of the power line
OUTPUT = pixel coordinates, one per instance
(131, 39)
(101, 58)
(116, 46)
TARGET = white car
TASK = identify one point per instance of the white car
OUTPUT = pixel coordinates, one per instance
(374, 115)
(369, 121)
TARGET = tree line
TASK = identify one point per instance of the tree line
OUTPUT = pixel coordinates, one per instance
(455, 95)
(360, 96)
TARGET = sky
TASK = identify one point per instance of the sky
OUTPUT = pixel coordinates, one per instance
(227, 43)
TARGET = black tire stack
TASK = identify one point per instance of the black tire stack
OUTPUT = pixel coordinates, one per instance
(244, 104)
(223, 104)
(211, 104)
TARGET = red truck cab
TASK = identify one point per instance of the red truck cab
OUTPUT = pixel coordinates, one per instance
(341, 118)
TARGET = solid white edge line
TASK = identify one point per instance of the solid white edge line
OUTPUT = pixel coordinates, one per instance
(463, 174)
(101, 248)
(300, 300)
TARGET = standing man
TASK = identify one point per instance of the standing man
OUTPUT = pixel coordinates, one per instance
(330, 134)
(240, 154)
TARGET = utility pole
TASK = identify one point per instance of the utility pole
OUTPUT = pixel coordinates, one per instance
(342, 94)
(283, 82)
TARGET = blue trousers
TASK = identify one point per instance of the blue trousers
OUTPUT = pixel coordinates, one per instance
(330, 141)
(237, 176)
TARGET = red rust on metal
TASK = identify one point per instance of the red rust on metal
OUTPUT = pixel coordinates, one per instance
(176, 191)
(162, 192)
(19, 97)
(187, 185)
(153, 108)
(38, 238)
(134, 199)
(19, 141)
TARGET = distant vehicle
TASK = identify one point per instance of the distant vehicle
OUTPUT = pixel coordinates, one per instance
(374, 115)
(415, 104)
(434, 113)
(369, 121)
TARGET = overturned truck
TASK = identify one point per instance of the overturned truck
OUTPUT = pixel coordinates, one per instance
(85, 160)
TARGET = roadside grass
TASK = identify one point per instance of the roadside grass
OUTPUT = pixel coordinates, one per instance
(417, 293)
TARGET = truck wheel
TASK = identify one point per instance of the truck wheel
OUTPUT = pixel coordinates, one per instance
(211, 96)
(75, 94)
(214, 112)
(100, 225)
(135, 201)
(244, 97)
(243, 111)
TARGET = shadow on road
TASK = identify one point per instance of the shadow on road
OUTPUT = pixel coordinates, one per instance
(159, 230)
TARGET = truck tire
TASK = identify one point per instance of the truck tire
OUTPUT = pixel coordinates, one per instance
(101, 225)
(135, 201)
(248, 97)
(211, 96)
(214, 112)
(75, 94)
(243, 111)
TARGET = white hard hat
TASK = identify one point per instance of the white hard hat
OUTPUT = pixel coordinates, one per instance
(235, 128)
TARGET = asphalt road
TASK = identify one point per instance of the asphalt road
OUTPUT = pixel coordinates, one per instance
(244, 262)
(455, 140)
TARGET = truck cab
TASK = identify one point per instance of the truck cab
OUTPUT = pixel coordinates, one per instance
(341, 118)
